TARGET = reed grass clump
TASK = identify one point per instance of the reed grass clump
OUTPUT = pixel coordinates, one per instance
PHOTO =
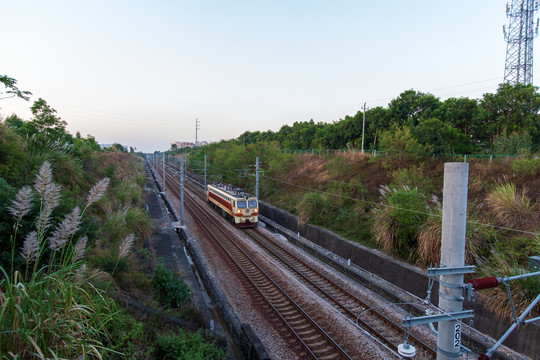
(51, 309)
(478, 237)
(512, 208)
(397, 219)
(314, 206)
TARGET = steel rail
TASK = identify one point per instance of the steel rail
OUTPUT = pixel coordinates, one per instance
(317, 280)
(267, 287)
(346, 306)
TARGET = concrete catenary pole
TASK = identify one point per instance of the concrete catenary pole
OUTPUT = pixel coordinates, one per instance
(363, 127)
(257, 178)
(197, 128)
(164, 187)
(452, 254)
(182, 189)
(204, 172)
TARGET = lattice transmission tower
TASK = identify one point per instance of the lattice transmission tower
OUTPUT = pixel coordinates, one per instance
(519, 41)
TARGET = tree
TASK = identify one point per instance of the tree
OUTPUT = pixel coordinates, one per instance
(514, 108)
(46, 121)
(10, 84)
(400, 141)
(441, 136)
(377, 120)
(459, 113)
(119, 147)
(411, 106)
(12, 154)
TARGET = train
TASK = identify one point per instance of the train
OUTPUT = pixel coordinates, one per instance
(241, 208)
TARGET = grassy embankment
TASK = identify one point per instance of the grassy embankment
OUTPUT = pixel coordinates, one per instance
(394, 204)
(69, 248)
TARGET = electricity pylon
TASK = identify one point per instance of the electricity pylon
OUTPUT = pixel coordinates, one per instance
(519, 41)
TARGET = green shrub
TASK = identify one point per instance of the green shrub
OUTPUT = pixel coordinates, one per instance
(526, 166)
(114, 226)
(397, 219)
(314, 208)
(513, 144)
(109, 171)
(400, 141)
(128, 193)
(114, 265)
(184, 345)
(124, 334)
(412, 177)
(409, 211)
(173, 292)
(139, 222)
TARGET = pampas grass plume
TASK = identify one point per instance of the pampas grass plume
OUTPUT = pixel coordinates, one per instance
(80, 248)
(30, 247)
(66, 229)
(97, 191)
(22, 203)
(125, 246)
(44, 179)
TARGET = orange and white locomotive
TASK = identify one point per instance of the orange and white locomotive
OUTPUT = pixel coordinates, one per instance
(240, 208)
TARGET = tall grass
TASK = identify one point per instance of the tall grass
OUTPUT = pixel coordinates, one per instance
(397, 219)
(510, 207)
(313, 207)
(51, 309)
(478, 238)
(523, 291)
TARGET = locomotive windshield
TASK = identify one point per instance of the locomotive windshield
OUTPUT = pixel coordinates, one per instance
(252, 203)
(241, 204)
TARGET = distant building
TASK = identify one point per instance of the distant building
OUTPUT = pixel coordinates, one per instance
(181, 144)
(187, 144)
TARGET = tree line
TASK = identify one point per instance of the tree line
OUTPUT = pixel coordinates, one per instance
(506, 122)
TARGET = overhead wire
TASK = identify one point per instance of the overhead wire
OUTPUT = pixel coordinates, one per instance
(377, 203)
(399, 208)
(378, 101)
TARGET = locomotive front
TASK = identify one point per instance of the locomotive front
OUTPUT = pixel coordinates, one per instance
(246, 212)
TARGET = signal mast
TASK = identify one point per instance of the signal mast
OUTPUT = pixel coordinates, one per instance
(519, 41)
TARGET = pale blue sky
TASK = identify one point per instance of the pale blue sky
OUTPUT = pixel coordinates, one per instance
(140, 72)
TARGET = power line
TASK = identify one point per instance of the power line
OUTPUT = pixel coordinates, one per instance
(401, 209)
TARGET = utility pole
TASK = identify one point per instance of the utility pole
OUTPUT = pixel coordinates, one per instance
(363, 127)
(182, 189)
(257, 179)
(197, 127)
(205, 173)
(452, 255)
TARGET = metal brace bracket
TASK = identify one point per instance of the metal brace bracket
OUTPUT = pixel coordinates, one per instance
(451, 270)
(419, 320)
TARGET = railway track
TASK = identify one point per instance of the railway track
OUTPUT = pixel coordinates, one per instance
(356, 310)
(372, 321)
(314, 341)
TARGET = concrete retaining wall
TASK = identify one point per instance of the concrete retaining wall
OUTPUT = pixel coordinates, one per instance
(336, 250)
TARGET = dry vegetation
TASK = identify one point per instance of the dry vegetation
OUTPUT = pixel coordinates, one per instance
(503, 211)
